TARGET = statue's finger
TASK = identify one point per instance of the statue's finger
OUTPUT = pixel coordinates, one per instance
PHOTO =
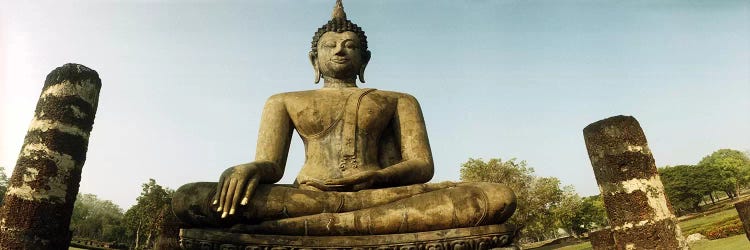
(228, 197)
(250, 189)
(359, 186)
(236, 196)
(363, 185)
(356, 179)
(222, 194)
(318, 185)
(340, 181)
(218, 190)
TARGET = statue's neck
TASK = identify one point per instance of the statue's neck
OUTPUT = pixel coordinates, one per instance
(329, 82)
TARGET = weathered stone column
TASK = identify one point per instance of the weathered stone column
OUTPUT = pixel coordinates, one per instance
(639, 213)
(743, 209)
(602, 240)
(39, 201)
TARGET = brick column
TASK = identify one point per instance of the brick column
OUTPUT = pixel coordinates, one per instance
(743, 209)
(602, 240)
(639, 213)
(39, 201)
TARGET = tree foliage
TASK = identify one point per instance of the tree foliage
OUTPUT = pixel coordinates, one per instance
(543, 198)
(590, 216)
(567, 209)
(681, 187)
(542, 205)
(687, 186)
(516, 175)
(97, 219)
(733, 167)
(143, 220)
(3, 184)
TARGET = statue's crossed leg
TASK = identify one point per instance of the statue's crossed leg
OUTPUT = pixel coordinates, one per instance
(415, 208)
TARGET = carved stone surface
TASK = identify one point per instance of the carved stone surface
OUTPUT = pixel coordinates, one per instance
(484, 237)
(367, 161)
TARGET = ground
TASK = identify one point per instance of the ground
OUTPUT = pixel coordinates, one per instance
(721, 213)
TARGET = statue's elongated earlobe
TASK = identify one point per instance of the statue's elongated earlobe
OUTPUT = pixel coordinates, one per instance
(314, 63)
(366, 60)
(362, 73)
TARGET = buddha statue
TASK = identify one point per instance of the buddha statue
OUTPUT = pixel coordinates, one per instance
(367, 161)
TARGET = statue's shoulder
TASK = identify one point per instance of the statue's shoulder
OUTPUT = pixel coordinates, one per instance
(398, 96)
(305, 94)
(394, 94)
(294, 94)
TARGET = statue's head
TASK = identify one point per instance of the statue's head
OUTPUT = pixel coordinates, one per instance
(339, 49)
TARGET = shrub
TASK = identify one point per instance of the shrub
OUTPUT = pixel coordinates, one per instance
(724, 231)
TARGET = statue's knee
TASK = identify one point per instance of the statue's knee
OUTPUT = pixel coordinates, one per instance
(193, 194)
(191, 202)
(501, 200)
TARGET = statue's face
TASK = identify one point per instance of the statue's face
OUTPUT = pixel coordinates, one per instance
(339, 55)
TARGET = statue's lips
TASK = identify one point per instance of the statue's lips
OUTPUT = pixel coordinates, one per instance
(340, 61)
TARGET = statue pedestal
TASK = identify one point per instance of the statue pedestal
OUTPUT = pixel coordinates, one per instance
(483, 237)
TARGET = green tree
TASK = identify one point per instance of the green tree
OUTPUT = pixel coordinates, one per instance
(3, 184)
(97, 219)
(536, 196)
(567, 209)
(734, 169)
(684, 186)
(516, 175)
(709, 179)
(142, 219)
(543, 196)
(590, 216)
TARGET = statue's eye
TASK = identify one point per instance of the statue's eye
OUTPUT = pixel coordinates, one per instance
(329, 45)
(350, 45)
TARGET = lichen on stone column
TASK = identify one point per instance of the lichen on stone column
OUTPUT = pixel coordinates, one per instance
(639, 212)
(43, 188)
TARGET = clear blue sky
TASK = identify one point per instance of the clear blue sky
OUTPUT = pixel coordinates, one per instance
(184, 82)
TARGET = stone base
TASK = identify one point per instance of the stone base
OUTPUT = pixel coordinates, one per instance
(483, 237)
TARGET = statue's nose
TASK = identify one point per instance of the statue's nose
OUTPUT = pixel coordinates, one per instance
(339, 50)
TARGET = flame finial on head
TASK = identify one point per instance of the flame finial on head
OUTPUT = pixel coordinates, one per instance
(338, 11)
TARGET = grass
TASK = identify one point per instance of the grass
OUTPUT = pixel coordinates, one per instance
(702, 223)
(690, 226)
(581, 246)
(737, 242)
(566, 246)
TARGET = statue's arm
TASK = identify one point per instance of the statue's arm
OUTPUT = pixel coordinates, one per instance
(274, 137)
(237, 184)
(416, 165)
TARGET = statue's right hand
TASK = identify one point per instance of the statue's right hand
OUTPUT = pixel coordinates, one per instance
(238, 182)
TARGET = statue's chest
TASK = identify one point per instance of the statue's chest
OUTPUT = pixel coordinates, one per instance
(321, 113)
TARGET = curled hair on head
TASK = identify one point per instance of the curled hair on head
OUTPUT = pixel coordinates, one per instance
(338, 26)
(339, 23)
